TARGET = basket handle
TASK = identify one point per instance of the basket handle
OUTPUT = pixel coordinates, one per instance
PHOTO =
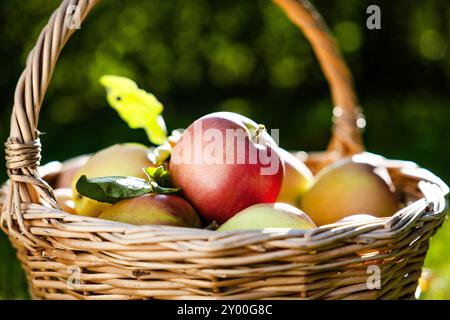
(23, 149)
(346, 136)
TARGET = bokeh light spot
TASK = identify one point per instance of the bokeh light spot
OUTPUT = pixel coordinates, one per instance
(348, 35)
(432, 45)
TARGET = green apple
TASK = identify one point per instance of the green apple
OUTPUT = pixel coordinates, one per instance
(268, 215)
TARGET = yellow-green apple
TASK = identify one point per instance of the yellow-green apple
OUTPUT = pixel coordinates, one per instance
(225, 162)
(154, 209)
(349, 187)
(269, 215)
(128, 159)
(296, 181)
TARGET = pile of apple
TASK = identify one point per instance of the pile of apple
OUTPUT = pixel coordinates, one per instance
(134, 184)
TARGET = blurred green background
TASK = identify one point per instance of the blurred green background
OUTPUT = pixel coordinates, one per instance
(199, 56)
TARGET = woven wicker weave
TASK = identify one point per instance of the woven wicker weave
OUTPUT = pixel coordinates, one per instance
(119, 261)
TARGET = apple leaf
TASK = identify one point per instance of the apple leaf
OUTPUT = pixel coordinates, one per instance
(115, 188)
(163, 190)
(138, 108)
(112, 189)
(159, 175)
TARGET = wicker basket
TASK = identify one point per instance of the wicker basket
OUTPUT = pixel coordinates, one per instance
(68, 256)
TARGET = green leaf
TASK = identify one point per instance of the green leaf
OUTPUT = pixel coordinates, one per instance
(159, 175)
(112, 81)
(138, 108)
(164, 190)
(113, 189)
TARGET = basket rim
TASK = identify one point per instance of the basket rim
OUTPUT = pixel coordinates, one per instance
(434, 191)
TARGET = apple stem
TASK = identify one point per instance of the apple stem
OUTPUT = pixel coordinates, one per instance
(212, 226)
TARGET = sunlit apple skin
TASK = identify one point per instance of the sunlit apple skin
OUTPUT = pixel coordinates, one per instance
(154, 209)
(268, 215)
(348, 188)
(220, 190)
(126, 159)
(297, 179)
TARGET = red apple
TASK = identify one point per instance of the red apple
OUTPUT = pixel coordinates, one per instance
(153, 209)
(224, 163)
